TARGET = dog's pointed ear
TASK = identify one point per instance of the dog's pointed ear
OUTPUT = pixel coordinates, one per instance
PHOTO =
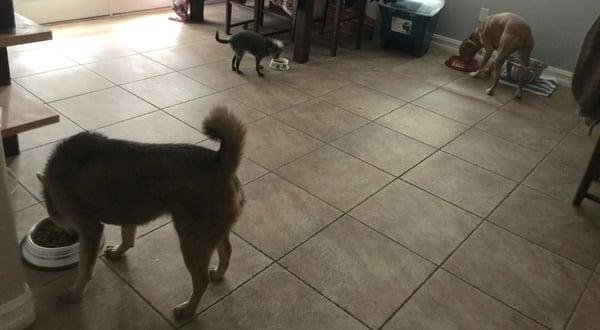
(469, 41)
(41, 177)
(474, 36)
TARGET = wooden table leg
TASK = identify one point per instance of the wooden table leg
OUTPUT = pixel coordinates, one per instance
(591, 174)
(7, 15)
(11, 145)
(4, 67)
(196, 11)
(256, 20)
(303, 30)
(339, 4)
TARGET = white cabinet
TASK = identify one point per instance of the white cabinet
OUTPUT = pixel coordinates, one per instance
(47, 11)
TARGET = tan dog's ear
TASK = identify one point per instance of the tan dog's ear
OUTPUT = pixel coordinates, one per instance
(475, 37)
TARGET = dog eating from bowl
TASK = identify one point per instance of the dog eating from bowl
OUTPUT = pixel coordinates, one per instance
(91, 180)
(251, 42)
(505, 32)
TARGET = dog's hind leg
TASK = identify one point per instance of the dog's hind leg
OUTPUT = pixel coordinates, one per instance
(258, 67)
(224, 250)
(524, 58)
(238, 60)
(197, 250)
(127, 242)
(233, 63)
(90, 235)
(497, 69)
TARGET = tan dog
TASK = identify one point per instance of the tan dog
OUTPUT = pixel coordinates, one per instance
(506, 33)
(91, 180)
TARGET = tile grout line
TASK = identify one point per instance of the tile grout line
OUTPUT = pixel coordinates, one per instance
(136, 292)
(491, 222)
(493, 298)
(277, 261)
(579, 299)
(268, 171)
(346, 213)
(485, 220)
(239, 286)
(438, 266)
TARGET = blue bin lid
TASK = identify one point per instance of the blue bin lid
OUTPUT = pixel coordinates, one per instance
(418, 7)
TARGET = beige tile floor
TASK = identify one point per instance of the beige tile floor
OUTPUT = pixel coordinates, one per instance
(383, 191)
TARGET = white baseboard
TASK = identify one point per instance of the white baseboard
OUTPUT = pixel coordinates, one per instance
(563, 76)
(18, 313)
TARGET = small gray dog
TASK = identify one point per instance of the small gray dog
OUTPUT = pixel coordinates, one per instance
(253, 43)
(90, 180)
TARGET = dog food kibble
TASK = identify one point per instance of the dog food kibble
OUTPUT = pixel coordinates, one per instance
(49, 235)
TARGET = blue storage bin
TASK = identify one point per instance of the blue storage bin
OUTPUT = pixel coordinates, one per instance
(408, 25)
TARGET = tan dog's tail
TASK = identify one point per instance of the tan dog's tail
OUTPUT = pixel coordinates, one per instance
(221, 125)
(223, 41)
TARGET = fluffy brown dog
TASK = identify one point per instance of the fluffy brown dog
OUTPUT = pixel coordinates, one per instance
(90, 180)
(505, 32)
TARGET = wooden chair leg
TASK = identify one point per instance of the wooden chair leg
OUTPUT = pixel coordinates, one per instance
(197, 11)
(293, 24)
(262, 13)
(293, 29)
(361, 23)
(257, 12)
(336, 27)
(228, 7)
(591, 173)
(324, 17)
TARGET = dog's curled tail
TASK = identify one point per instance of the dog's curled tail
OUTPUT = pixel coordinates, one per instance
(223, 41)
(221, 125)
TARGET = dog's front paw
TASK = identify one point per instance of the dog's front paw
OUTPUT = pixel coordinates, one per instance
(184, 310)
(239, 72)
(474, 74)
(489, 91)
(214, 274)
(71, 295)
(114, 252)
(518, 95)
(260, 74)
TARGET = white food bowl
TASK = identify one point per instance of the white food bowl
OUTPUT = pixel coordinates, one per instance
(45, 258)
(279, 64)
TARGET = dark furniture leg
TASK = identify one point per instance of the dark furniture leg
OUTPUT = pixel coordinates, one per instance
(262, 13)
(197, 11)
(324, 14)
(257, 12)
(591, 173)
(336, 26)
(11, 145)
(361, 23)
(303, 30)
(7, 21)
(7, 15)
(228, 7)
(4, 67)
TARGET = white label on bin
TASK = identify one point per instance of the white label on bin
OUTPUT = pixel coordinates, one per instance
(401, 25)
